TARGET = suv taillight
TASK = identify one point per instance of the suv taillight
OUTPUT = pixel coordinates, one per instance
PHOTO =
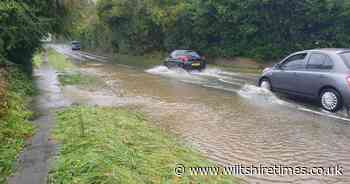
(184, 59)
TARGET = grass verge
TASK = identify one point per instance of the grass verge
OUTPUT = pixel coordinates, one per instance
(58, 61)
(38, 60)
(14, 125)
(114, 145)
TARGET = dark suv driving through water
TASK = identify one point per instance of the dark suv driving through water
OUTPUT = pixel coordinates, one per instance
(322, 74)
(186, 59)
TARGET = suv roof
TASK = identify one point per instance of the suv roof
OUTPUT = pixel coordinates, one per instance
(183, 50)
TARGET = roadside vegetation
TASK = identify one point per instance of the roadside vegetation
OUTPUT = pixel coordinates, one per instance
(15, 87)
(262, 30)
(38, 59)
(117, 145)
(59, 61)
(23, 24)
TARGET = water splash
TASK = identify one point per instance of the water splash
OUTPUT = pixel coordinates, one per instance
(258, 94)
(178, 73)
(214, 72)
(163, 70)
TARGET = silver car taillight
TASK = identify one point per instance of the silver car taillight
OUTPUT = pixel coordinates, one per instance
(348, 80)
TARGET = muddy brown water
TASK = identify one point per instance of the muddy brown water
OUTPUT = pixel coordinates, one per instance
(229, 120)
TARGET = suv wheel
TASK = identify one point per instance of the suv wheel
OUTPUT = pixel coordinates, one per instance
(330, 100)
(265, 84)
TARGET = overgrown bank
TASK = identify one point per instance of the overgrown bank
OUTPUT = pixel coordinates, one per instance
(114, 145)
(263, 30)
(15, 88)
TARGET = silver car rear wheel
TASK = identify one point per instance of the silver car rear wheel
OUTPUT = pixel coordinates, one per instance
(330, 100)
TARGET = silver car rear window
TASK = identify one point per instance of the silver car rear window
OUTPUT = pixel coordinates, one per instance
(346, 58)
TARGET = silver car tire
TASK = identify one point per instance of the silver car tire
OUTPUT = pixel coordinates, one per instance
(330, 100)
(265, 84)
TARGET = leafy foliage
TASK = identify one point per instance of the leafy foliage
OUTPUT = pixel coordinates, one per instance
(14, 126)
(263, 29)
(24, 23)
(86, 27)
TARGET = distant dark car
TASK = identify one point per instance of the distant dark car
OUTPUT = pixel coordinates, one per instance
(322, 74)
(186, 59)
(76, 45)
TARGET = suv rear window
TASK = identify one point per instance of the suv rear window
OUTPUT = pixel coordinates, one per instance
(346, 58)
(184, 53)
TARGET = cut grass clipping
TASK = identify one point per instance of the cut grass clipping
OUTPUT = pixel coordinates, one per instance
(114, 146)
(58, 61)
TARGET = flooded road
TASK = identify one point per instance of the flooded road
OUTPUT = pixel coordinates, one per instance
(226, 117)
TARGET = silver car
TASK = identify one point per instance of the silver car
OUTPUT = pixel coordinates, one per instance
(322, 74)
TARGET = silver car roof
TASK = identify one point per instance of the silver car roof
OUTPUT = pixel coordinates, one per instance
(330, 50)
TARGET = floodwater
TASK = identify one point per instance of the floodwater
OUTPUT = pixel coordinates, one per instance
(227, 118)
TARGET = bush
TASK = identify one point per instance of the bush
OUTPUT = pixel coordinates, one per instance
(260, 29)
(14, 125)
(22, 26)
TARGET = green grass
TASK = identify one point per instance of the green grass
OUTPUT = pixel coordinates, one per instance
(58, 61)
(84, 81)
(117, 146)
(14, 125)
(38, 60)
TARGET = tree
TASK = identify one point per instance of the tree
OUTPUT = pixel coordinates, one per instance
(262, 29)
(23, 23)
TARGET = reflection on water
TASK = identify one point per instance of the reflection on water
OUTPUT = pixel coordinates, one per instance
(231, 123)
